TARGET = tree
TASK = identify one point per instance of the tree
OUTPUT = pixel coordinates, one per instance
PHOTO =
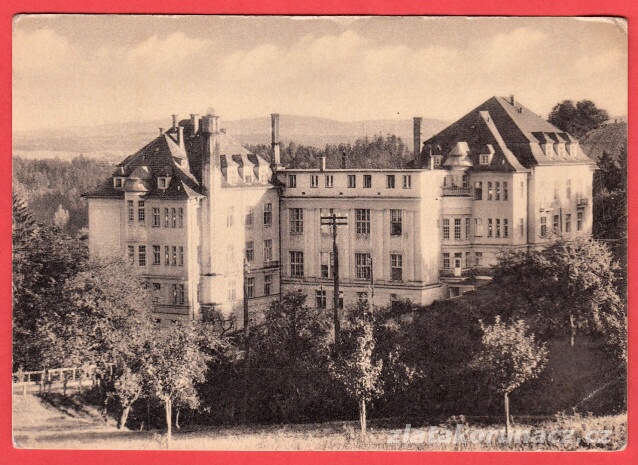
(355, 366)
(61, 217)
(510, 357)
(577, 119)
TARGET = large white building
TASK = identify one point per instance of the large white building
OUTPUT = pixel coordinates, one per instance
(193, 207)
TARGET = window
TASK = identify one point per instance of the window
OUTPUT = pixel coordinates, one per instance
(142, 255)
(367, 181)
(167, 256)
(543, 226)
(250, 216)
(230, 253)
(407, 181)
(296, 264)
(390, 181)
(131, 213)
(489, 191)
(497, 186)
(180, 217)
(157, 287)
(320, 298)
(267, 251)
(174, 256)
(173, 217)
(505, 191)
(489, 227)
(250, 288)
(436, 160)
(329, 180)
(498, 227)
(131, 255)
(314, 180)
(352, 181)
(181, 256)
(446, 228)
(161, 183)
(478, 226)
(325, 227)
(479, 258)
(292, 180)
(446, 261)
(362, 220)
(556, 190)
(579, 221)
(396, 267)
(396, 223)
(457, 228)
(521, 227)
(248, 179)
(267, 284)
(180, 294)
(464, 180)
(157, 255)
(268, 214)
(568, 222)
(156, 217)
(166, 218)
(506, 228)
(478, 190)
(141, 211)
(230, 217)
(232, 290)
(117, 182)
(468, 260)
(467, 228)
(326, 259)
(556, 223)
(522, 188)
(485, 159)
(296, 220)
(250, 251)
(362, 265)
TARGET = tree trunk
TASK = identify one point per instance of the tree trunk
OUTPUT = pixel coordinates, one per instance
(572, 327)
(362, 416)
(507, 415)
(177, 420)
(169, 422)
(125, 411)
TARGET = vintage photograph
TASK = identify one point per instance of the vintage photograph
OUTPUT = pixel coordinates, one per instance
(319, 233)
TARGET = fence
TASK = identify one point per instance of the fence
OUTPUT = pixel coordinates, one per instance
(54, 378)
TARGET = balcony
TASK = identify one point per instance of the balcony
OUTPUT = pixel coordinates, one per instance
(457, 192)
(582, 202)
(271, 263)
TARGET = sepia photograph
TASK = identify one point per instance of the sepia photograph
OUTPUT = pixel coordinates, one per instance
(319, 233)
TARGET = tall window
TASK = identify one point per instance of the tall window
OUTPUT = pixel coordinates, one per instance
(142, 255)
(180, 217)
(267, 250)
(556, 223)
(167, 256)
(362, 220)
(250, 251)
(505, 191)
(173, 217)
(467, 228)
(292, 180)
(230, 217)
(131, 212)
(367, 181)
(521, 227)
(568, 222)
(329, 180)
(468, 260)
(267, 284)
(232, 290)
(396, 267)
(478, 190)
(174, 256)
(407, 181)
(180, 294)
(314, 180)
(156, 217)
(131, 254)
(362, 265)
(490, 192)
(166, 218)
(479, 258)
(478, 226)
(157, 255)
(352, 181)
(268, 214)
(579, 221)
(497, 186)
(326, 264)
(498, 227)
(296, 220)
(230, 253)
(465, 180)
(250, 216)
(457, 228)
(296, 264)
(181, 256)
(396, 223)
(446, 261)
(320, 298)
(390, 181)
(543, 226)
(446, 228)
(506, 228)
(250, 288)
(489, 227)
(157, 288)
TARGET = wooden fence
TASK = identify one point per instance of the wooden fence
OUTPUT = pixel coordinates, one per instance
(53, 378)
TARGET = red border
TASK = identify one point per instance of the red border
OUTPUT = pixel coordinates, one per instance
(9, 8)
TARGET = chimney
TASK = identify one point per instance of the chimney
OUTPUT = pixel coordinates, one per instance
(161, 131)
(276, 159)
(322, 167)
(512, 101)
(195, 123)
(175, 121)
(417, 137)
(343, 160)
(180, 136)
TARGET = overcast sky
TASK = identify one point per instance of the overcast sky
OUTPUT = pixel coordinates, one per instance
(85, 70)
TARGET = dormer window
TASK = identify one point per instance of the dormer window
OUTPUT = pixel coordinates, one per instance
(118, 182)
(436, 160)
(485, 158)
(163, 182)
(248, 179)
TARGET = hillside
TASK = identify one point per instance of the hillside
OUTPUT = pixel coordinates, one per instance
(609, 137)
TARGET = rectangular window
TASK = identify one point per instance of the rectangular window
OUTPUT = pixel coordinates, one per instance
(230, 253)
(390, 181)
(157, 255)
(478, 190)
(320, 298)
(446, 228)
(268, 214)
(250, 251)
(267, 251)
(250, 216)
(362, 265)
(468, 260)
(436, 160)
(230, 217)
(296, 264)
(166, 218)
(329, 180)
(568, 222)
(506, 228)
(543, 226)
(232, 290)
(157, 288)
(479, 258)
(131, 212)
(352, 181)
(250, 288)
(326, 259)
(457, 228)
(490, 192)
(521, 227)
(174, 293)
(267, 284)
(556, 223)
(446, 261)
(464, 180)
(292, 180)
(142, 255)
(407, 181)
(314, 180)
(362, 221)
(467, 228)
(167, 256)
(181, 295)
(180, 217)
(498, 227)
(489, 227)
(505, 191)
(296, 220)
(324, 226)
(497, 186)
(181, 255)
(396, 267)
(156, 217)
(579, 221)
(478, 226)
(396, 222)
(367, 181)
(131, 255)
(174, 256)
(173, 217)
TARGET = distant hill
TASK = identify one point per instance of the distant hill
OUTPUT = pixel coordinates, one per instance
(609, 137)
(115, 141)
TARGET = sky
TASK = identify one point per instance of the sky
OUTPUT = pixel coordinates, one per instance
(81, 70)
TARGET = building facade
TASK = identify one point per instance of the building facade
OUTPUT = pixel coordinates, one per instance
(206, 222)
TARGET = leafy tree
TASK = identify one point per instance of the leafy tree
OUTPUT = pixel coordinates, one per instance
(510, 356)
(61, 217)
(577, 119)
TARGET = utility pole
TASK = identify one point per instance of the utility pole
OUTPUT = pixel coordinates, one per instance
(333, 221)
(246, 340)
